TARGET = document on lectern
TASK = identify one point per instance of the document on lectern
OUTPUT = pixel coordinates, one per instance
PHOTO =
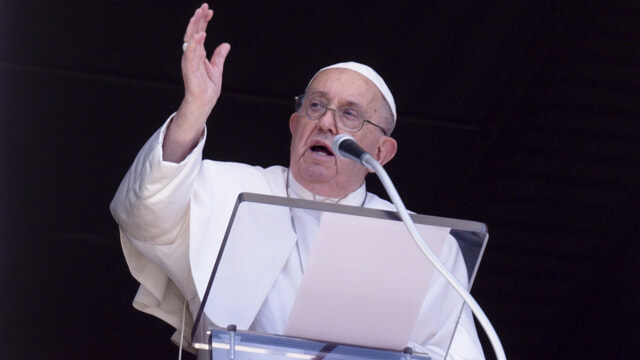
(365, 282)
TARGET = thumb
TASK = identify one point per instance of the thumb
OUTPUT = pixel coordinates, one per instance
(219, 56)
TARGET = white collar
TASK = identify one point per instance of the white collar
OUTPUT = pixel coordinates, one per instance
(296, 190)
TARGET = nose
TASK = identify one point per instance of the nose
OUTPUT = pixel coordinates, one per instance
(328, 121)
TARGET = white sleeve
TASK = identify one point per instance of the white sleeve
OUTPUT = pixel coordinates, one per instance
(151, 207)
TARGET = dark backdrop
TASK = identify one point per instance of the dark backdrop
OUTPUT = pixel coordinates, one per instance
(521, 114)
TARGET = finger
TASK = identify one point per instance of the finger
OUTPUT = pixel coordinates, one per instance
(191, 27)
(202, 17)
(219, 55)
(198, 22)
(214, 71)
(195, 53)
(207, 15)
(216, 63)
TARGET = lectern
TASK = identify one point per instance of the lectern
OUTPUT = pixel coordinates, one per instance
(391, 258)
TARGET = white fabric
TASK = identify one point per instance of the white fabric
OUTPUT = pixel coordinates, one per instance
(172, 219)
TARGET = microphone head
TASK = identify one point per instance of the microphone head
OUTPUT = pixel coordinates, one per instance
(339, 139)
(346, 147)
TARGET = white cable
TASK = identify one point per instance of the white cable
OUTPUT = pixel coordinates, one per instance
(374, 165)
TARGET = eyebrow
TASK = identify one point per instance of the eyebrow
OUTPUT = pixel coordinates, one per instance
(347, 103)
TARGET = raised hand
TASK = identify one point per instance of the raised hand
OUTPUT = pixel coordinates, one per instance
(202, 81)
(202, 77)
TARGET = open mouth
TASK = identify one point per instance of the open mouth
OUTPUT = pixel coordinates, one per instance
(321, 150)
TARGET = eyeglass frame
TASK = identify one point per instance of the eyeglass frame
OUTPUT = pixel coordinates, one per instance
(299, 103)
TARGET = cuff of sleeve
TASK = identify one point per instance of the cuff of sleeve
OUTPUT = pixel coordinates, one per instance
(196, 150)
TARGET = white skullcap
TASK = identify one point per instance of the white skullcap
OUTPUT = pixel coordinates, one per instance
(370, 74)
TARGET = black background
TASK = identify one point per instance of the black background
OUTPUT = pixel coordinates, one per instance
(520, 114)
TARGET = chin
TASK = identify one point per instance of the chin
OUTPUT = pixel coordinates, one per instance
(316, 177)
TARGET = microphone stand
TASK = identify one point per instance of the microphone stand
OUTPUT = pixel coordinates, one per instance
(371, 163)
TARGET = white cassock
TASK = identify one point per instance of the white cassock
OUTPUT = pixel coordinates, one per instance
(173, 218)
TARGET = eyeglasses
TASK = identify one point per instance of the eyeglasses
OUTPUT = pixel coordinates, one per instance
(347, 118)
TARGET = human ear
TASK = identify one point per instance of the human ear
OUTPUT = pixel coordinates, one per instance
(293, 122)
(386, 150)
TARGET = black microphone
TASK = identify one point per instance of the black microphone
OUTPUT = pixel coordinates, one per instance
(347, 147)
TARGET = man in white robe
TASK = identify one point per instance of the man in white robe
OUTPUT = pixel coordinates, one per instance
(173, 207)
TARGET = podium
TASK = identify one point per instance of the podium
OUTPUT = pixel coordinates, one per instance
(255, 216)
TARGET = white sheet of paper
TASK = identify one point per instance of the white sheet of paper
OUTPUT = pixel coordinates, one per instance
(364, 282)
